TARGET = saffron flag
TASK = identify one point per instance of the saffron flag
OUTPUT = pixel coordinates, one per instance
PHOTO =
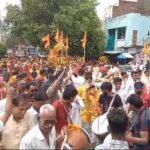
(61, 40)
(67, 42)
(59, 45)
(84, 40)
(61, 37)
(57, 36)
(46, 40)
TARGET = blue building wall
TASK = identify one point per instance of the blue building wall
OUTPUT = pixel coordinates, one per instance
(132, 21)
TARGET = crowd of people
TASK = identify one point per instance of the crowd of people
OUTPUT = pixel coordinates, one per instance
(44, 106)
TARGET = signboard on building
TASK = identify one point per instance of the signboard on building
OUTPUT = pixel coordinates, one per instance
(147, 48)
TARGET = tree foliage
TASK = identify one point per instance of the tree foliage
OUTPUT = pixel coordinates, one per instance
(3, 50)
(35, 18)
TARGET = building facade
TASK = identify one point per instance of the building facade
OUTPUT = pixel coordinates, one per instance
(128, 24)
(127, 30)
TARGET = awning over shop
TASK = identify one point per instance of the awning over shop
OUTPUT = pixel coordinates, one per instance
(112, 52)
(124, 56)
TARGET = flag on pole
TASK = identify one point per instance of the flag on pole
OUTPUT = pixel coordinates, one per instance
(57, 36)
(61, 37)
(67, 42)
(84, 40)
(46, 40)
(61, 44)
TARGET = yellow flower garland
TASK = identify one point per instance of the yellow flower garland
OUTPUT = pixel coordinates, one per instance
(92, 109)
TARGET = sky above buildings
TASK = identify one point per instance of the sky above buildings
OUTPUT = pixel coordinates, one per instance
(104, 4)
(4, 3)
(100, 8)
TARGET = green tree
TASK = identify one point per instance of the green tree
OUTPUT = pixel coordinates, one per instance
(36, 18)
(76, 18)
(15, 23)
(38, 15)
(3, 50)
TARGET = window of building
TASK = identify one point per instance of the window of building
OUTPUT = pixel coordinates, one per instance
(121, 33)
(134, 38)
(111, 31)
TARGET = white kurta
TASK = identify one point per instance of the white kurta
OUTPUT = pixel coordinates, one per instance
(79, 80)
(34, 115)
(34, 139)
(77, 106)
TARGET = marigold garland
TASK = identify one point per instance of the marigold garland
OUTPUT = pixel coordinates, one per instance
(92, 109)
(71, 127)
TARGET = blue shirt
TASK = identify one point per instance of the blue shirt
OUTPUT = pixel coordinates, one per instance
(142, 123)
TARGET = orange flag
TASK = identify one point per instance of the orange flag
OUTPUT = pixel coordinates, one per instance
(61, 37)
(67, 42)
(84, 40)
(57, 36)
(46, 40)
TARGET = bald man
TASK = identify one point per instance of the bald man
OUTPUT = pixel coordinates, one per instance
(43, 135)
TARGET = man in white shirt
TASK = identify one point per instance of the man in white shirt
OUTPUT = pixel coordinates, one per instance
(115, 70)
(124, 76)
(77, 106)
(96, 76)
(38, 101)
(43, 135)
(134, 77)
(79, 80)
(117, 88)
(118, 123)
(134, 66)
